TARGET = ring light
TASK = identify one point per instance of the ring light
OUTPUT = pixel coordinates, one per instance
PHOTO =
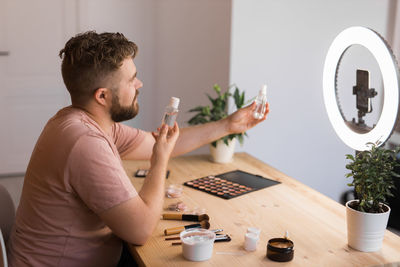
(390, 76)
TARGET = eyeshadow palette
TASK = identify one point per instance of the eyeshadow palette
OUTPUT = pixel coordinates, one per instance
(230, 184)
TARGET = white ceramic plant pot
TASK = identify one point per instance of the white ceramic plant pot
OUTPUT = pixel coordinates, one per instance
(365, 231)
(223, 153)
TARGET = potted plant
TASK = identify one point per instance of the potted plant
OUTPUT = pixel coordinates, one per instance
(367, 216)
(221, 150)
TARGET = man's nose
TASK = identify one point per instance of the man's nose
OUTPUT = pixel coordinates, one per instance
(139, 84)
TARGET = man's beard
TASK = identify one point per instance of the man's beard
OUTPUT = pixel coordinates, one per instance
(119, 113)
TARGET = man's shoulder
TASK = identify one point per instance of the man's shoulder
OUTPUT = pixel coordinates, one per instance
(68, 126)
(71, 121)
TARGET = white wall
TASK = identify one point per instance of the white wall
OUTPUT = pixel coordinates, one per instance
(187, 46)
(284, 43)
(183, 48)
(136, 20)
(192, 52)
(183, 51)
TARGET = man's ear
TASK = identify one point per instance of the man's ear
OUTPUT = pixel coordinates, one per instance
(101, 96)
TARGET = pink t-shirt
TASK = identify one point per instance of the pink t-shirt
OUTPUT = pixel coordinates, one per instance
(75, 173)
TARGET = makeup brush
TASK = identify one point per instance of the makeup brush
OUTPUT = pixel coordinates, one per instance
(185, 217)
(179, 238)
(176, 230)
(221, 238)
(216, 231)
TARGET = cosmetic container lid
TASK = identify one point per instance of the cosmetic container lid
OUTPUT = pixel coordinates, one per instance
(254, 230)
(280, 249)
(174, 102)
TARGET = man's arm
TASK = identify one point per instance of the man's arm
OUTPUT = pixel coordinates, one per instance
(199, 135)
(196, 136)
(135, 219)
(189, 139)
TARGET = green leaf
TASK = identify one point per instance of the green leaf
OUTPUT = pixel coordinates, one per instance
(198, 119)
(373, 171)
(240, 138)
(217, 89)
(198, 108)
(241, 100)
(206, 111)
(236, 97)
(212, 100)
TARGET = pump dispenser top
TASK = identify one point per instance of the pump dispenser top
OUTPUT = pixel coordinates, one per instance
(263, 91)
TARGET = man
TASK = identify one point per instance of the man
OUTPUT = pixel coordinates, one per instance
(77, 202)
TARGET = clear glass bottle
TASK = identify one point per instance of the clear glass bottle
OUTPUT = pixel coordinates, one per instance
(261, 101)
(171, 111)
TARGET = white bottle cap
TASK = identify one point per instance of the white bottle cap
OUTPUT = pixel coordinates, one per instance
(254, 230)
(174, 102)
(263, 90)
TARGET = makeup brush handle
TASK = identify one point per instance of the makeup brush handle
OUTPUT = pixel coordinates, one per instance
(224, 238)
(172, 216)
(173, 231)
(177, 230)
(178, 237)
(173, 238)
(184, 217)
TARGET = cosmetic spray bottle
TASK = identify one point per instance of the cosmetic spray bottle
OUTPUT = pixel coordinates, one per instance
(171, 111)
(261, 101)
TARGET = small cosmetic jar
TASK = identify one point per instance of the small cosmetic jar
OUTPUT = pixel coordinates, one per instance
(280, 249)
(250, 241)
(174, 191)
(197, 244)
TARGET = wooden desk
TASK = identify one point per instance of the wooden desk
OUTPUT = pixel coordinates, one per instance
(316, 223)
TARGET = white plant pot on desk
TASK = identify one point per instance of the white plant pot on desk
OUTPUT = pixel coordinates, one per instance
(223, 153)
(365, 231)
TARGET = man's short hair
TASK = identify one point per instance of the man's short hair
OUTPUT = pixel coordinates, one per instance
(89, 61)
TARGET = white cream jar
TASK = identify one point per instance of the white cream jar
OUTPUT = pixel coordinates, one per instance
(197, 244)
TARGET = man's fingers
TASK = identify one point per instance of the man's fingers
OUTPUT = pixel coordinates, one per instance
(266, 110)
(174, 131)
(164, 129)
(265, 114)
(162, 133)
(176, 127)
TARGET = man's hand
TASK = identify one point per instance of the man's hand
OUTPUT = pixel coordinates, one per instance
(243, 120)
(134, 220)
(165, 142)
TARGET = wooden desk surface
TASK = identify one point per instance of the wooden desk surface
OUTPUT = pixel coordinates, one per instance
(316, 223)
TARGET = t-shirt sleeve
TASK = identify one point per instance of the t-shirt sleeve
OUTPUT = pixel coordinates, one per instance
(96, 174)
(126, 138)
